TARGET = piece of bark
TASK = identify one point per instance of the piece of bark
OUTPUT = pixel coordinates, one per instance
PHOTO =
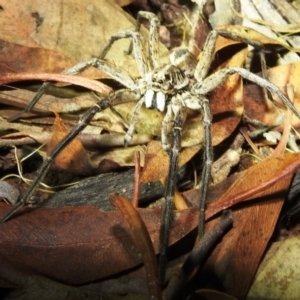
(95, 191)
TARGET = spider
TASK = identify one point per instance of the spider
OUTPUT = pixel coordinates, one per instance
(171, 88)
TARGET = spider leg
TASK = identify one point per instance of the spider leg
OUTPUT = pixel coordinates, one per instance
(207, 162)
(119, 97)
(106, 67)
(32, 103)
(201, 103)
(208, 52)
(153, 32)
(138, 50)
(170, 191)
(216, 79)
(207, 56)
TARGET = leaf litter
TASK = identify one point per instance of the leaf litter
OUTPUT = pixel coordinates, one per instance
(53, 40)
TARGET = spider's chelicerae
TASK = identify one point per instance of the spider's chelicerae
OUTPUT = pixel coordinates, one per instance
(169, 88)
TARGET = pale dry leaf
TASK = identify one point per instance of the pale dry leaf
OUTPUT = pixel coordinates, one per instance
(122, 156)
(278, 275)
(76, 28)
(263, 10)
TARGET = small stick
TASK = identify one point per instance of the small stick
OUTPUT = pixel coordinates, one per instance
(137, 175)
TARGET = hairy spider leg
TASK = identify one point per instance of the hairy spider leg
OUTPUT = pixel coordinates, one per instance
(133, 121)
(216, 79)
(153, 37)
(207, 160)
(166, 128)
(115, 73)
(119, 97)
(106, 67)
(167, 212)
(138, 51)
(32, 103)
(202, 68)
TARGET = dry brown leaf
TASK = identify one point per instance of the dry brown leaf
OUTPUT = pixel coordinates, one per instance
(236, 258)
(270, 176)
(74, 157)
(16, 58)
(157, 161)
(59, 26)
(19, 98)
(75, 28)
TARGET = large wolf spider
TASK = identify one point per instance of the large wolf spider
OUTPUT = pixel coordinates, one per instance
(170, 88)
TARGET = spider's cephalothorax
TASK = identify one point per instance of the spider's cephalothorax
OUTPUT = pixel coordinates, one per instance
(169, 79)
(170, 88)
(162, 84)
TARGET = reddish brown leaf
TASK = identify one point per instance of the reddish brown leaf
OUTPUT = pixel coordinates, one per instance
(44, 60)
(271, 176)
(16, 58)
(236, 259)
(143, 242)
(80, 244)
(157, 161)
